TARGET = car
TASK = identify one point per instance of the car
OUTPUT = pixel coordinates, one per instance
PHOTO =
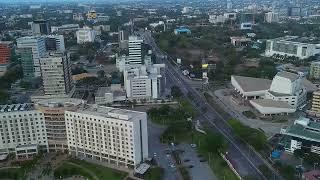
(203, 160)
(155, 154)
(186, 160)
(193, 145)
(172, 165)
(190, 166)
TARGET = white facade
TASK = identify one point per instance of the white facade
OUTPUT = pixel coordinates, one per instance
(65, 27)
(56, 73)
(215, 19)
(291, 46)
(85, 34)
(38, 46)
(271, 17)
(135, 56)
(111, 135)
(314, 70)
(21, 124)
(143, 82)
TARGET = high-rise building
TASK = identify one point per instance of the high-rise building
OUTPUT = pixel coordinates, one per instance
(85, 34)
(53, 111)
(5, 52)
(40, 27)
(123, 39)
(272, 17)
(55, 43)
(314, 70)
(26, 62)
(143, 82)
(56, 73)
(22, 130)
(38, 48)
(315, 108)
(111, 135)
(135, 56)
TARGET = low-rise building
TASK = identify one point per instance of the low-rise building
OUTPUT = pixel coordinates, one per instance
(109, 95)
(303, 134)
(110, 135)
(182, 30)
(22, 126)
(315, 108)
(271, 17)
(240, 41)
(65, 28)
(300, 47)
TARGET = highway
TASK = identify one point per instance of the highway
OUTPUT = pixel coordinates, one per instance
(246, 160)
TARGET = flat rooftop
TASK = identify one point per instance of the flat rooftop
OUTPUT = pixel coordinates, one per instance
(252, 84)
(16, 107)
(110, 112)
(271, 103)
(297, 39)
(311, 132)
(60, 102)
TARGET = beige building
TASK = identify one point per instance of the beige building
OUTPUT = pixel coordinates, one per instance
(53, 111)
(315, 109)
(315, 70)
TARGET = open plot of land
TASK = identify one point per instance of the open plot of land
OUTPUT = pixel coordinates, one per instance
(88, 170)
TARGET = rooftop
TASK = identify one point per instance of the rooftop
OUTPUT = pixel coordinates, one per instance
(252, 84)
(109, 112)
(297, 39)
(16, 107)
(271, 103)
(291, 76)
(300, 131)
(60, 102)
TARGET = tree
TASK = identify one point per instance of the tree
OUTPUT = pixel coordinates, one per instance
(176, 92)
(78, 70)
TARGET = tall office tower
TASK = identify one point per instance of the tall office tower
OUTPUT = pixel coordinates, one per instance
(40, 27)
(135, 56)
(112, 135)
(22, 130)
(53, 111)
(56, 73)
(143, 82)
(27, 63)
(55, 43)
(5, 52)
(38, 48)
(123, 39)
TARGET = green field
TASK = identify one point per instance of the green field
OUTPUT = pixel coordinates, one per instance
(88, 170)
(12, 173)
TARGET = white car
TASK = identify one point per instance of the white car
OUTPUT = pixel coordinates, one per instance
(193, 145)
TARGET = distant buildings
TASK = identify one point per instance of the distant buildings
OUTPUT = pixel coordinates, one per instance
(186, 10)
(271, 17)
(240, 41)
(246, 26)
(300, 47)
(143, 82)
(123, 39)
(35, 45)
(55, 43)
(314, 70)
(182, 30)
(115, 136)
(56, 73)
(23, 130)
(40, 27)
(85, 34)
(303, 134)
(215, 19)
(284, 94)
(65, 28)
(77, 17)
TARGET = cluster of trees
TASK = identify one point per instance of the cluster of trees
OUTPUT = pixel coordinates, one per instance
(6, 80)
(266, 69)
(254, 137)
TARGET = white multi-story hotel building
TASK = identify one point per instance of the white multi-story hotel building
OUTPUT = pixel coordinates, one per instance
(22, 130)
(53, 111)
(143, 82)
(293, 46)
(106, 134)
(38, 47)
(85, 34)
(135, 56)
(56, 73)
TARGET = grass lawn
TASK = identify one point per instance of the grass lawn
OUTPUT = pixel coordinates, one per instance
(12, 173)
(88, 170)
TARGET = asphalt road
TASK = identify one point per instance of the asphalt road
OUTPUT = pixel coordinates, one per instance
(246, 160)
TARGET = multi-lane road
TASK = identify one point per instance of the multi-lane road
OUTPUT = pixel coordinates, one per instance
(245, 159)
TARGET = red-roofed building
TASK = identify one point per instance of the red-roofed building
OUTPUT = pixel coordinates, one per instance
(4, 52)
